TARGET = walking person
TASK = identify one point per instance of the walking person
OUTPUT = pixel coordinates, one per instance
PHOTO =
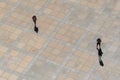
(100, 53)
(34, 18)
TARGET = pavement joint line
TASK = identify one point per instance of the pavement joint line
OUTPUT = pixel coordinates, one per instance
(68, 59)
(51, 36)
(37, 56)
(92, 69)
(66, 67)
(10, 12)
(105, 14)
(23, 32)
(27, 30)
(30, 65)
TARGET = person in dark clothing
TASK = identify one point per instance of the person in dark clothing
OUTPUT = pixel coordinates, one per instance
(34, 18)
(100, 53)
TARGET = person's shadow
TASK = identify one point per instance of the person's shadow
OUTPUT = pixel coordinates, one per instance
(101, 63)
(34, 18)
(36, 29)
(100, 53)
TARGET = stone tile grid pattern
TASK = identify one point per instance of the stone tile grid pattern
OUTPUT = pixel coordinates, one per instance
(65, 47)
(56, 52)
(17, 62)
(31, 43)
(7, 76)
(10, 33)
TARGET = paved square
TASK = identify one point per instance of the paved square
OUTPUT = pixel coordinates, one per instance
(31, 43)
(56, 52)
(69, 75)
(95, 4)
(7, 76)
(10, 34)
(69, 33)
(41, 70)
(58, 8)
(47, 25)
(65, 46)
(16, 61)
(81, 61)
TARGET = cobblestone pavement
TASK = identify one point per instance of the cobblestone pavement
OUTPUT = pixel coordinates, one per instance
(65, 46)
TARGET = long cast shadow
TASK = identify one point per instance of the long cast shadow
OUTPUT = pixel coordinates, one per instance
(36, 29)
(100, 53)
